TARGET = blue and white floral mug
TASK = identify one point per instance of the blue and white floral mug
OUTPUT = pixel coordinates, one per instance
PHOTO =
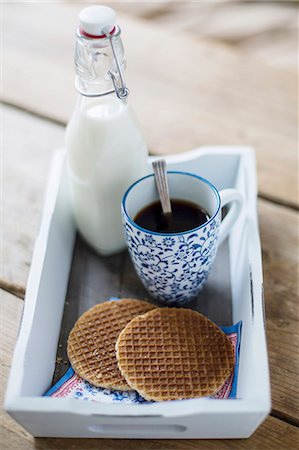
(175, 266)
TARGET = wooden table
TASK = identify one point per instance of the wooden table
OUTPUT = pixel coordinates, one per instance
(186, 92)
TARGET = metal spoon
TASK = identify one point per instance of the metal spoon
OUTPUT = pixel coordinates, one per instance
(159, 167)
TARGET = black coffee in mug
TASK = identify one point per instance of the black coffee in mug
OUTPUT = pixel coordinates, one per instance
(185, 216)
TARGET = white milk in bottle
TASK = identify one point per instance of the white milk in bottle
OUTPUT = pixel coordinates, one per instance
(105, 148)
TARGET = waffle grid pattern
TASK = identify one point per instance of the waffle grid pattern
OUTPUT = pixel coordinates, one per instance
(174, 353)
(91, 343)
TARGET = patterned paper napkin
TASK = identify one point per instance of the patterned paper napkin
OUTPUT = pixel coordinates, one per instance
(73, 386)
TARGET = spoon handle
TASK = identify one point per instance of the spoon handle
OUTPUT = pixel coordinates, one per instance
(159, 167)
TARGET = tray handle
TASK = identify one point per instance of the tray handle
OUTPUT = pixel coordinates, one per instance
(230, 196)
(138, 430)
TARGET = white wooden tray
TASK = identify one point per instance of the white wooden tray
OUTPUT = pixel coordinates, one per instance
(234, 293)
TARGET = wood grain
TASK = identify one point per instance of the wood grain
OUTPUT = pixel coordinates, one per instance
(266, 30)
(278, 47)
(28, 145)
(11, 311)
(280, 243)
(187, 92)
(272, 434)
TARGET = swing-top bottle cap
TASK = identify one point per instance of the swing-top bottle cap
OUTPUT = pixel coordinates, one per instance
(96, 20)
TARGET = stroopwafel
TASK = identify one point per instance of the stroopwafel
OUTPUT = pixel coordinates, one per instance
(174, 353)
(91, 343)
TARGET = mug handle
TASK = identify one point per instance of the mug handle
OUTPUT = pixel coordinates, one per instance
(227, 196)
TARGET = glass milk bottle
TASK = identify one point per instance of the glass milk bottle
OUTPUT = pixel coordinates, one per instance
(105, 148)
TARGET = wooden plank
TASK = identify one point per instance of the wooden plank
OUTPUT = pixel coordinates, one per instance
(280, 242)
(208, 94)
(11, 434)
(227, 21)
(268, 31)
(179, 16)
(235, 21)
(277, 47)
(28, 145)
(272, 434)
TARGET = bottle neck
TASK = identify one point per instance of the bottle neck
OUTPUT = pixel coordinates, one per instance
(101, 104)
(100, 65)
